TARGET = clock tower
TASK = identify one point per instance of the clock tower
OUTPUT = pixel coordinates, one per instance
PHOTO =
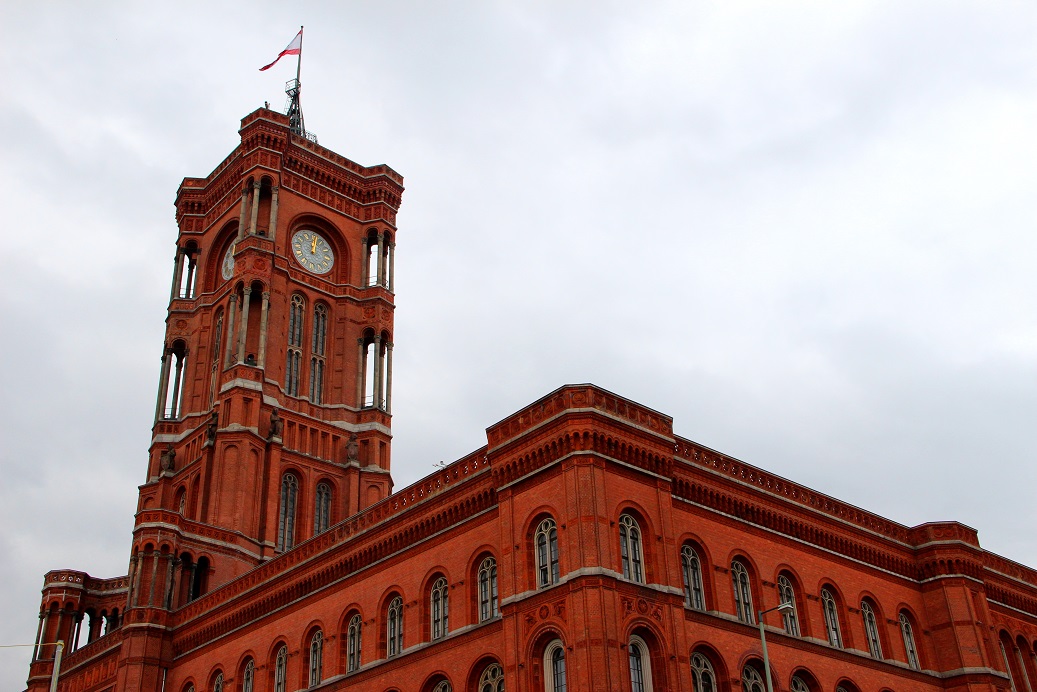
(272, 420)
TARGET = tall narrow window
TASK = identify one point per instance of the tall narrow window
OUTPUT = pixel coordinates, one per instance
(294, 358)
(320, 333)
(703, 679)
(316, 657)
(487, 589)
(248, 676)
(909, 641)
(281, 670)
(788, 595)
(286, 521)
(831, 612)
(217, 684)
(547, 553)
(439, 606)
(743, 592)
(554, 667)
(353, 642)
(394, 627)
(492, 679)
(640, 665)
(322, 509)
(1008, 666)
(871, 629)
(214, 371)
(630, 548)
(692, 571)
(752, 681)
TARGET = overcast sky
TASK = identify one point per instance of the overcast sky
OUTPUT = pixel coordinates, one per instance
(804, 230)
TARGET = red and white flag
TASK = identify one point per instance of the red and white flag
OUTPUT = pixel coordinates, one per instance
(294, 48)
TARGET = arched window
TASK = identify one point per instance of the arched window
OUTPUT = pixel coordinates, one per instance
(320, 333)
(703, 679)
(174, 377)
(752, 681)
(294, 359)
(743, 592)
(871, 629)
(547, 553)
(353, 641)
(554, 667)
(788, 595)
(316, 657)
(394, 627)
(798, 684)
(492, 679)
(487, 589)
(217, 683)
(322, 509)
(691, 568)
(281, 669)
(214, 374)
(443, 686)
(630, 548)
(439, 608)
(640, 665)
(248, 676)
(286, 521)
(909, 640)
(831, 612)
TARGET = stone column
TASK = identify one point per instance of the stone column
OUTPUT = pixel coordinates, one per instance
(190, 582)
(377, 372)
(255, 207)
(174, 290)
(154, 578)
(170, 580)
(192, 263)
(264, 316)
(232, 313)
(365, 267)
(163, 382)
(77, 630)
(94, 630)
(273, 212)
(244, 323)
(388, 377)
(39, 633)
(244, 210)
(131, 579)
(360, 370)
(392, 266)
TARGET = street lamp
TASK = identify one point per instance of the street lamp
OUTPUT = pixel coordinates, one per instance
(784, 607)
(60, 644)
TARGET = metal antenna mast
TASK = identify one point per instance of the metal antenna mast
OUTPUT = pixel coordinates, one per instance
(294, 106)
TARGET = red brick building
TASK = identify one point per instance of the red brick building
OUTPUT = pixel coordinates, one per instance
(585, 547)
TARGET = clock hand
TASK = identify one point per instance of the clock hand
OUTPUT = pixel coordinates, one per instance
(313, 247)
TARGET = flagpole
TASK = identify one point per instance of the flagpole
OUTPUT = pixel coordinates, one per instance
(298, 65)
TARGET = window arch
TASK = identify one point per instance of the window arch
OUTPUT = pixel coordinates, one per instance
(394, 627)
(322, 508)
(443, 686)
(492, 679)
(743, 592)
(787, 594)
(640, 665)
(488, 603)
(439, 608)
(546, 540)
(691, 568)
(752, 681)
(554, 667)
(630, 548)
(797, 684)
(871, 629)
(296, 311)
(217, 683)
(353, 643)
(281, 669)
(316, 658)
(286, 520)
(248, 676)
(908, 633)
(703, 679)
(831, 612)
(317, 352)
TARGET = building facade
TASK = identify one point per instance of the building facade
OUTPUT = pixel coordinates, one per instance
(584, 547)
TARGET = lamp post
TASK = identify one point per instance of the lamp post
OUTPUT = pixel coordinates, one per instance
(56, 670)
(784, 607)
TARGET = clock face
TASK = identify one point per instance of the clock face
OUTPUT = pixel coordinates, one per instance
(228, 264)
(312, 252)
